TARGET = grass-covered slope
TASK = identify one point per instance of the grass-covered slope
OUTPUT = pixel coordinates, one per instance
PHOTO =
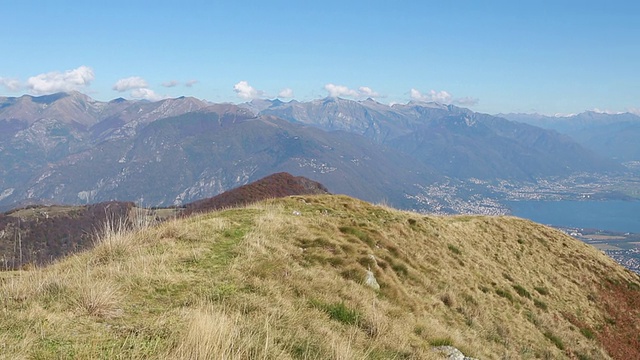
(285, 278)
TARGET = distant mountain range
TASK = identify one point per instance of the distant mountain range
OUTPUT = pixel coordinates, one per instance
(68, 148)
(614, 136)
(455, 141)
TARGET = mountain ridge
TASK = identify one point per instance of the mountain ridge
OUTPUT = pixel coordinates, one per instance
(455, 141)
(364, 149)
(612, 135)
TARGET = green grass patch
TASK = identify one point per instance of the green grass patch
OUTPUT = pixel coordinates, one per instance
(400, 269)
(531, 317)
(540, 304)
(588, 333)
(222, 292)
(54, 348)
(454, 249)
(441, 342)
(542, 290)
(554, 339)
(306, 349)
(363, 236)
(338, 312)
(419, 330)
(505, 294)
(522, 291)
(384, 354)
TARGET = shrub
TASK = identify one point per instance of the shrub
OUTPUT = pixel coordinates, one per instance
(531, 317)
(99, 298)
(507, 276)
(554, 339)
(633, 286)
(588, 333)
(542, 290)
(447, 299)
(441, 342)
(454, 249)
(505, 294)
(540, 304)
(522, 291)
(400, 269)
(339, 312)
(363, 236)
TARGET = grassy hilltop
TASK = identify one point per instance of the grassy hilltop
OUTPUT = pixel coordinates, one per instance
(285, 278)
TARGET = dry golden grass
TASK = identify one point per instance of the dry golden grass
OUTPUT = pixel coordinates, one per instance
(284, 279)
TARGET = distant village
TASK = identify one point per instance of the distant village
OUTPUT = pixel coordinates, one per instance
(624, 248)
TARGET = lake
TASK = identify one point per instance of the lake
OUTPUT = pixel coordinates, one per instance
(621, 216)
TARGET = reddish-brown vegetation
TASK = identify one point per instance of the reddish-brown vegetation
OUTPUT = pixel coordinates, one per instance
(273, 186)
(38, 235)
(620, 335)
(35, 235)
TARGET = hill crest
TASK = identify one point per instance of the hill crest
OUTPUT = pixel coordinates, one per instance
(35, 235)
(272, 186)
(284, 278)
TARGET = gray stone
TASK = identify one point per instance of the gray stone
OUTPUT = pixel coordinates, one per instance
(452, 353)
(371, 281)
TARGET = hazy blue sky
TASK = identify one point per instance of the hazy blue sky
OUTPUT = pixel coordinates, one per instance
(491, 56)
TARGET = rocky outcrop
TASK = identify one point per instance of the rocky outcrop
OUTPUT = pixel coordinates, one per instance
(452, 353)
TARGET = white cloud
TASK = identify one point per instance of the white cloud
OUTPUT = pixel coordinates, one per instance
(635, 111)
(10, 84)
(442, 97)
(340, 90)
(171, 83)
(140, 88)
(246, 91)
(564, 115)
(466, 101)
(147, 94)
(130, 83)
(56, 81)
(286, 93)
(607, 111)
(174, 83)
(366, 91)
